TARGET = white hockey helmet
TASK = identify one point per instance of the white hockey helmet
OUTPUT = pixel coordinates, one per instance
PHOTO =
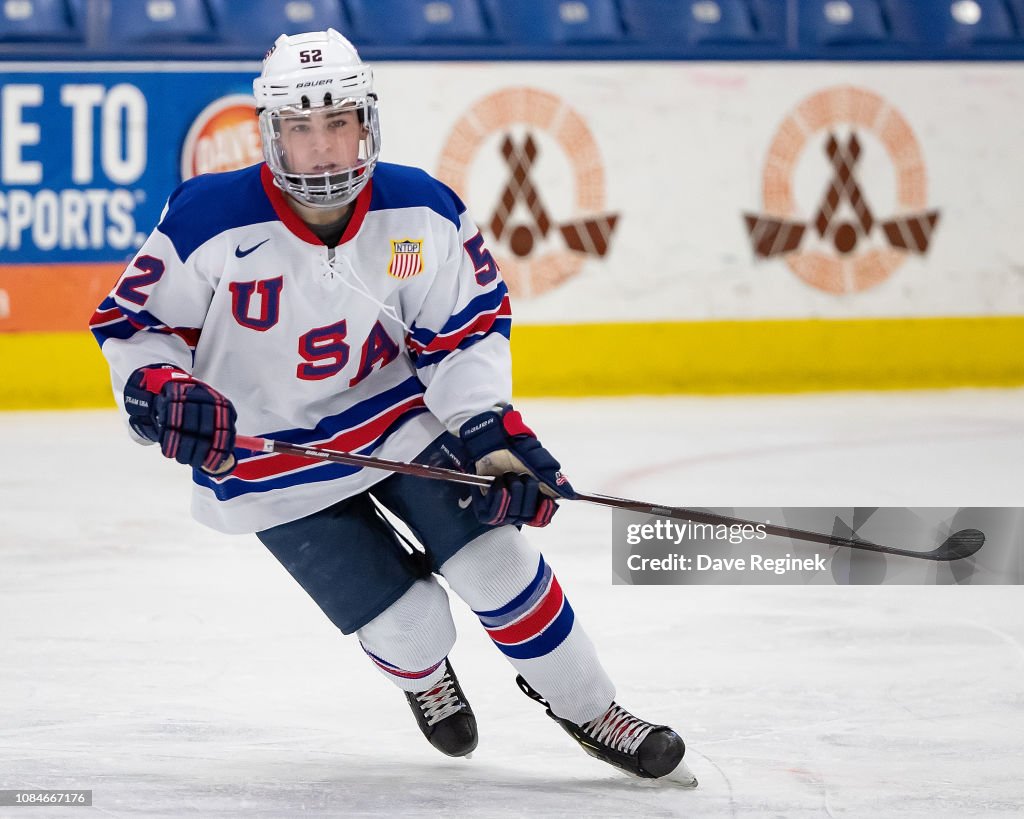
(316, 72)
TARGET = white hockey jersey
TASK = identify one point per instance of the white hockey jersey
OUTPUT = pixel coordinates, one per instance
(374, 346)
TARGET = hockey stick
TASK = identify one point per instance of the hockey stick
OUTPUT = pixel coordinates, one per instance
(956, 547)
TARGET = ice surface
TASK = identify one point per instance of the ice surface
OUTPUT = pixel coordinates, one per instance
(179, 672)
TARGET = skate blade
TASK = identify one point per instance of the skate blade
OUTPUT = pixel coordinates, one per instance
(680, 777)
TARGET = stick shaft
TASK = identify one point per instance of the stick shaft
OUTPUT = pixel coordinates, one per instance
(439, 473)
(436, 473)
(714, 519)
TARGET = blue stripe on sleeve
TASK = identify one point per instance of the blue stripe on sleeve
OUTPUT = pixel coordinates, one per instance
(502, 327)
(121, 330)
(484, 303)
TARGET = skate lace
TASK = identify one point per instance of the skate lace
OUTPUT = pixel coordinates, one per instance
(618, 729)
(440, 702)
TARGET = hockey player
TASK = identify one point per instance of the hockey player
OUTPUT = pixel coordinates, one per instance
(323, 297)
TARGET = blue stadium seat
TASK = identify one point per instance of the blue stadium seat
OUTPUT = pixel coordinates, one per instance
(953, 23)
(22, 20)
(139, 22)
(770, 16)
(260, 22)
(841, 22)
(977, 21)
(556, 22)
(1017, 12)
(411, 22)
(691, 21)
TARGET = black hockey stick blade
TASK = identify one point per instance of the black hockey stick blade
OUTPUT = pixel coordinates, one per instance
(960, 545)
(956, 547)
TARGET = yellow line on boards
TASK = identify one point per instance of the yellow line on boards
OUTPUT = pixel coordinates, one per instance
(767, 356)
(52, 371)
(66, 370)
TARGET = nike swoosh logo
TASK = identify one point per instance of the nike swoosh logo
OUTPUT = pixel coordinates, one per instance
(241, 254)
(465, 502)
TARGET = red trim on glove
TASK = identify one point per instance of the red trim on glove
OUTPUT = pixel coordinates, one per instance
(514, 424)
(506, 500)
(153, 380)
(546, 509)
(218, 446)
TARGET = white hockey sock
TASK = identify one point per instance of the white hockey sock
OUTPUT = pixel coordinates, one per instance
(521, 605)
(411, 638)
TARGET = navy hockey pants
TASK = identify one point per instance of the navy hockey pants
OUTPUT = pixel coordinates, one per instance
(351, 561)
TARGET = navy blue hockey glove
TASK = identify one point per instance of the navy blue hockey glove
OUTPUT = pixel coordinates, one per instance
(527, 476)
(192, 422)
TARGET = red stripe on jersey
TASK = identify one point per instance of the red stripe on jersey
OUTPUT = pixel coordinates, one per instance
(189, 335)
(481, 324)
(105, 316)
(349, 441)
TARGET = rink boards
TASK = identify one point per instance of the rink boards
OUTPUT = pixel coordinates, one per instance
(664, 227)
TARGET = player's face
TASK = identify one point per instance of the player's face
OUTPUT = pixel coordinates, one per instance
(315, 142)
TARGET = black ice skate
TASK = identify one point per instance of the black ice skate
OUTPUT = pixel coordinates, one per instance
(444, 715)
(617, 737)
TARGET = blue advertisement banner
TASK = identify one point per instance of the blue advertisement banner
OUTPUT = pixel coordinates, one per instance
(91, 152)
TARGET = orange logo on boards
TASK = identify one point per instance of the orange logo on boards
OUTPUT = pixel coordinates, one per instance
(527, 159)
(842, 246)
(224, 137)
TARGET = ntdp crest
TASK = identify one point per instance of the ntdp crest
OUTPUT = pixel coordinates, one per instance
(837, 162)
(529, 160)
(406, 258)
(224, 137)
